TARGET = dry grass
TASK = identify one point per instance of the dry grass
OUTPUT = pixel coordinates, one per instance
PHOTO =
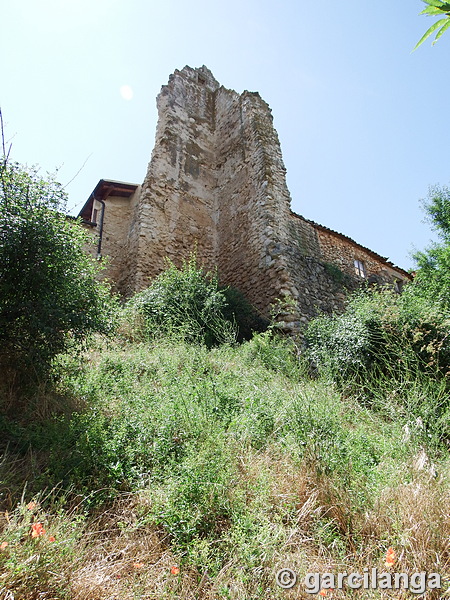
(283, 505)
(120, 556)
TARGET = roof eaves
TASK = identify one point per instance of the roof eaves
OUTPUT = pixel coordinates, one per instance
(102, 190)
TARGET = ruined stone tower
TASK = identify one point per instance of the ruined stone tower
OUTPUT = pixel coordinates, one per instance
(216, 184)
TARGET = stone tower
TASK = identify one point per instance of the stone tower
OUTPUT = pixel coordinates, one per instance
(216, 185)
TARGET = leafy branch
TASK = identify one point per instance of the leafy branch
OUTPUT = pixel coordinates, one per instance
(435, 8)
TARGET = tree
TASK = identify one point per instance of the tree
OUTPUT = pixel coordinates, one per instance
(50, 298)
(436, 8)
(433, 273)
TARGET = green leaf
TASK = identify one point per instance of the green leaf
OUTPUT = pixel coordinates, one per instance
(442, 30)
(431, 30)
(431, 11)
(437, 3)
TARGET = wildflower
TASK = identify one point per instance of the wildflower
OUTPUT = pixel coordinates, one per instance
(3, 545)
(174, 570)
(138, 565)
(325, 592)
(37, 529)
(391, 557)
(31, 505)
(51, 538)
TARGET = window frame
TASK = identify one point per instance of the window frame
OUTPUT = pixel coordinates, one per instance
(360, 268)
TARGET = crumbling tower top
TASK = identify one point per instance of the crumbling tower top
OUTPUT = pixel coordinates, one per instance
(201, 75)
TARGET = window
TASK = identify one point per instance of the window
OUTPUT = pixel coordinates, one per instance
(359, 268)
(398, 286)
(94, 215)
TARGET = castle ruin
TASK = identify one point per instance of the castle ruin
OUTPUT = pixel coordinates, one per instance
(216, 184)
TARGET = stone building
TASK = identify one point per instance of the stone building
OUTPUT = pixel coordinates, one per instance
(216, 183)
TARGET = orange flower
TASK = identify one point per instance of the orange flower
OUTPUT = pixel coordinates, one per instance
(3, 545)
(174, 570)
(31, 505)
(51, 538)
(391, 557)
(138, 565)
(37, 530)
(325, 592)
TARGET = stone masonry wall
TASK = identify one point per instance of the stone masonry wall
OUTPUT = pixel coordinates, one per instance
(252, 199)
(315, 289)
(338, 250)
(175, 214)
(216, 185)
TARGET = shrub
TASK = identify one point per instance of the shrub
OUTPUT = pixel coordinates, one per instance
(276, 352)
(186, 303)
(239, 310)
(49, 296)
(383, 333)
(39, 548)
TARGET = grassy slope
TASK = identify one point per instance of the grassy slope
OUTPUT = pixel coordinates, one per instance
(225, 464)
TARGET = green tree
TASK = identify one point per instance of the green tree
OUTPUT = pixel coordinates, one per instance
(50, 298)
(433, 272)
(436, 8)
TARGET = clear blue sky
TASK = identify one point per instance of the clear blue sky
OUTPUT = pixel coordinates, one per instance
(363, 122)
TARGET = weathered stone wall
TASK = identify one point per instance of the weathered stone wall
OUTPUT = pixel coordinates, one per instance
(216, 184)
(176, 209)
(342, 252)
(314, 287)
(119, 227)
(252, 198)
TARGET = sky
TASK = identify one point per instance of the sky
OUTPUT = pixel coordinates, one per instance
(362, 120)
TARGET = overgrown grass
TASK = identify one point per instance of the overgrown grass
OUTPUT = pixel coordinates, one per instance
(393, 353)
(186, 472)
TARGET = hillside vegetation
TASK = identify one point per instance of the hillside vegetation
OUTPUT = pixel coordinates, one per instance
(155, 467)
(177, 446)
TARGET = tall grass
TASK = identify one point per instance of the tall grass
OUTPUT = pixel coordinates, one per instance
(200, 472)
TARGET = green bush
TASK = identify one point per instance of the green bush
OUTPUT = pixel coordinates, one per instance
(383, 334)
(276, 352)
(197, 502)
(186, 303)
(432, 278)
(50, 298)
(239, 310)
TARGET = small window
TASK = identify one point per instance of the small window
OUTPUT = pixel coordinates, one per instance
(398, 286)
(94, 215)
(359, 268)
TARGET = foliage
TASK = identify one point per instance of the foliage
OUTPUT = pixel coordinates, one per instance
(186, 303)
(36, 544)
(160, 414)
(436, 8)
(383, 333)
(224, 460)
(275, 351)
(339, 277)
(49, 296)
(239, 310)
(433, 264)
